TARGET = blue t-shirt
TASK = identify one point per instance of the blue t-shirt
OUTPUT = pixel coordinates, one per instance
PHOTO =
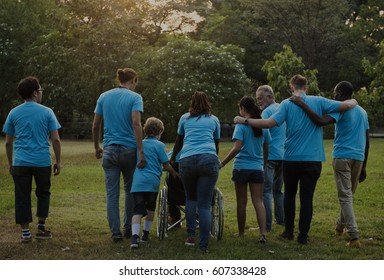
(350, 133)
(304, 140)
(276, 146)
(147, 179)
(199, 133)
(251, 153)
(31, 123)
(116, 107)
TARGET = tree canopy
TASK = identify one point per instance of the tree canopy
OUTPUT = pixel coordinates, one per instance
(226, 48)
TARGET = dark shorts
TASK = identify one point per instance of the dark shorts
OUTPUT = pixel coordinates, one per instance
(144, 201)
(247, 176)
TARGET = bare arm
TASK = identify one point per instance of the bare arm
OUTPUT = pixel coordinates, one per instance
(363, 173)
(167, 167)
(138, 131)
(177, 148)
(232, 153)
(315, 118)
(96, 135)
(347, 104)
(56, 144)
(9, 150)
(217, 146)
(259, 123)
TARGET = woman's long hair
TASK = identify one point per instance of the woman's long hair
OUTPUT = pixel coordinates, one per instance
(249, 105)
(200, 105)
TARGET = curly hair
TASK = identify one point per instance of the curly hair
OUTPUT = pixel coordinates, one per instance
(153, 127)
(200, 105)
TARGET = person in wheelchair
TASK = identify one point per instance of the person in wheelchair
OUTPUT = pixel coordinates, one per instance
(146, 181)
(176, 195)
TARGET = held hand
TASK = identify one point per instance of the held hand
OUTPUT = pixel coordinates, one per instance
(363, 175)
(238, 119)
(297, 100)
(99, 153)
(142, 163)
(56, 169)
(10, 169)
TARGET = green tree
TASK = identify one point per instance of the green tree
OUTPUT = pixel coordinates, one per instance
(171, 74)
(372, 97)
(280, 70)
(22, 22)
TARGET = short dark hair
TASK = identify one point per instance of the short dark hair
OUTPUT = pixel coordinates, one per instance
(298, 82)
(27, 86)
(344, 88)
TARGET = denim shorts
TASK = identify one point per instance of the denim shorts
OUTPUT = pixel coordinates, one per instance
(144, 201)
(247, 176)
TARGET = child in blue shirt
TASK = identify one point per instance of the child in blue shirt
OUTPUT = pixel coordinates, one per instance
(248, 166)
(146, 181)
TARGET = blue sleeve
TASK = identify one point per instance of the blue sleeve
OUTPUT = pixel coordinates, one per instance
(238, 133)
(180, 129)
(281, 114)
(267, 136)
(99, 106)
(163, 153)
(329, 106)
(8, 127)
(138, 104)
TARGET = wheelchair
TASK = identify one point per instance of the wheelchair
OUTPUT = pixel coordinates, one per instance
(173, 193)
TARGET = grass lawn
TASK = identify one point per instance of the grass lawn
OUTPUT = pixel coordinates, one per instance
(80, 230)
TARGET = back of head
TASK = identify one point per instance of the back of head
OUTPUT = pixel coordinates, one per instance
(27, 86)
(249, 105)
(344, 89)
(153, 127)
(200, 104)
(298, 82)
(125, 75)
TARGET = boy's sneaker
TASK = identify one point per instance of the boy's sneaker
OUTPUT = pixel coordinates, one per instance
(135, 240)
(145, 236)
(117, 237)
(354, 243)
(190, 241)
(26, 239)
(43, 234)
(263, 239)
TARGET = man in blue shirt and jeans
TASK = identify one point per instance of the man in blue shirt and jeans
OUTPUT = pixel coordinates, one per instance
(303, 152)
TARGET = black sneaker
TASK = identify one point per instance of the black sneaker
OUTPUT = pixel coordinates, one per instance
(43, 234)
(145, 236)
(26, 239)
(303, 239)
(263, 239)
(117, 237)
(286, 235)
(135, 241)
(127, 232)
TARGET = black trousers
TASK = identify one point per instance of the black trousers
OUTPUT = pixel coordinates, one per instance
(303, 174)
(22, 177)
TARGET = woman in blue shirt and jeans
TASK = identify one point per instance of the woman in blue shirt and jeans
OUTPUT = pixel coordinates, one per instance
(197, 141)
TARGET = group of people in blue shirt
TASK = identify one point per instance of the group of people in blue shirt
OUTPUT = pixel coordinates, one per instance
(272, 143)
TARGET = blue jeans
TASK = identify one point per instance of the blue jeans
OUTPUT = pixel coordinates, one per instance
(306, 173)
(22, 177)
(199, 175)
(119, 159)
(273, 185)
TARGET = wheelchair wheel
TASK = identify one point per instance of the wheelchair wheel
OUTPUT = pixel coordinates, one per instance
(217, 215)
(162, 214)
